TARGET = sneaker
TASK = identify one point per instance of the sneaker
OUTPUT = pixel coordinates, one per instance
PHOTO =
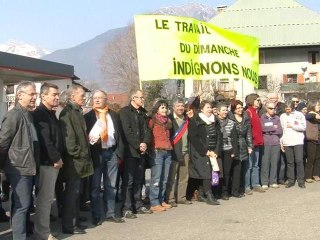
(274, 185)
(258, 189)
(316, 178)
(128, 214)
(51, 237)
(166, 205)
(248, 191)
(157, 208)
(144, 210)
(173, 204)
(309, 180)
(265, 187)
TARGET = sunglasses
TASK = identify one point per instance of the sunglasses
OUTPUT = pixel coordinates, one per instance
(271, 108)
(295, 101)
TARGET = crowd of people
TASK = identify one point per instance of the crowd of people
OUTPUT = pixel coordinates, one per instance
(208, 151)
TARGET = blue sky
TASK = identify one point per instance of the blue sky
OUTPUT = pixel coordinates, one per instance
(59, 24)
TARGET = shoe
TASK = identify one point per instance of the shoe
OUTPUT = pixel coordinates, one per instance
(301, 185)
(84, 208)
(81, 226)
(144, 210)
(316, 178)
(157, 208)
(265, 187)
(75, 230)
(186, 202)
(51, 237)
(274, 185)
(146, 200)
(128, 214)
(248, 191)
(282, 182)
(97, 222)
(309, 180)
(115, 220)
(166, 205)
(211, 200)
(225, 197)
(173, 204)
(237, 195)
(289, 185)
(258, 189)
(82, 219)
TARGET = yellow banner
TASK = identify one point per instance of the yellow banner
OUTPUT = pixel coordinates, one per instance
(170, 47)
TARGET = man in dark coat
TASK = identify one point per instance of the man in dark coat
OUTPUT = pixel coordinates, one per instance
(77, 160)
(51, 147)
(18, 155)
(137, 136)
(106, 148)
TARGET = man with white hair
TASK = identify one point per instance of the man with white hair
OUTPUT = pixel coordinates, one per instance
(18, 153)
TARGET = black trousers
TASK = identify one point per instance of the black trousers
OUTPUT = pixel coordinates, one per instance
(231, 174)
(313, 160)
(132, 182)
(294, 155)
(71, 203)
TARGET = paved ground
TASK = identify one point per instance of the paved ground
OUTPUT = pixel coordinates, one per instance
(277, 214)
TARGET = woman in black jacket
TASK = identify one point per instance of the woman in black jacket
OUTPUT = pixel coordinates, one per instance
(205, 141)
(243, 126)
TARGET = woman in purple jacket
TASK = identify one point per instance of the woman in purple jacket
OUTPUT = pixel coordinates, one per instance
(272, 131)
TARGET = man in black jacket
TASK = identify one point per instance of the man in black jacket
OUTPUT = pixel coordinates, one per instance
(18, 154)
(51, 147)
(103, 126)
(178, 174)
(136, 137)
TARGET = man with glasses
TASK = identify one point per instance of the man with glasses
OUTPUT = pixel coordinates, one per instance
(18, 152)
(106, 148)
(295, 101)
(136, 136)
(77, 163)
(271, 128)
(252, 175)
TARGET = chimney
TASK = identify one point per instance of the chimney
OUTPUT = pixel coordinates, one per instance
(220, 9)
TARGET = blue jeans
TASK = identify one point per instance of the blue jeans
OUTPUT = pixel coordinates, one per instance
(21, 199)
(252, 174)
(159, 175)
(109, 170)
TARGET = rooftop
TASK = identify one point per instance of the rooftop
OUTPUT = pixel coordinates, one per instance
(276, 23)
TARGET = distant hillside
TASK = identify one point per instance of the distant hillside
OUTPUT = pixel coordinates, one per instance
(85, 57)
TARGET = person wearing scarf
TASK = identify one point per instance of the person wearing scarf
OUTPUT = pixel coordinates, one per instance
(160, 126)
(106, 148)
(205, 142)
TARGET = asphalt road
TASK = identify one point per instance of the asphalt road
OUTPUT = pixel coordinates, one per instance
(277, 214)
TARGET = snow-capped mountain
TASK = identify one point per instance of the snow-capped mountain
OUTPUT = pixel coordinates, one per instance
(24, 49)
(193, 9)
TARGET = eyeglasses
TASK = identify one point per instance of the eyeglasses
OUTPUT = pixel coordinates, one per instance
(139, 97)
(31, 94)
(295, 101)
(271, 108)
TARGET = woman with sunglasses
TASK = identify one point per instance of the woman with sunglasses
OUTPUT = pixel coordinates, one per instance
(293, 124)
(272, 131)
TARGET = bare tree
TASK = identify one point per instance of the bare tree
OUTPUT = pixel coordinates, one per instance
(119, 60)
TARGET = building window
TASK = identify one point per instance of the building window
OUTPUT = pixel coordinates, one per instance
(313, 57)
(224, 85)
(263, 82)
(10, 89)
(292, 78)
(262, 59)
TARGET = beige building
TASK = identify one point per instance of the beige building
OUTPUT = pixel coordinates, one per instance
(289, 35)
